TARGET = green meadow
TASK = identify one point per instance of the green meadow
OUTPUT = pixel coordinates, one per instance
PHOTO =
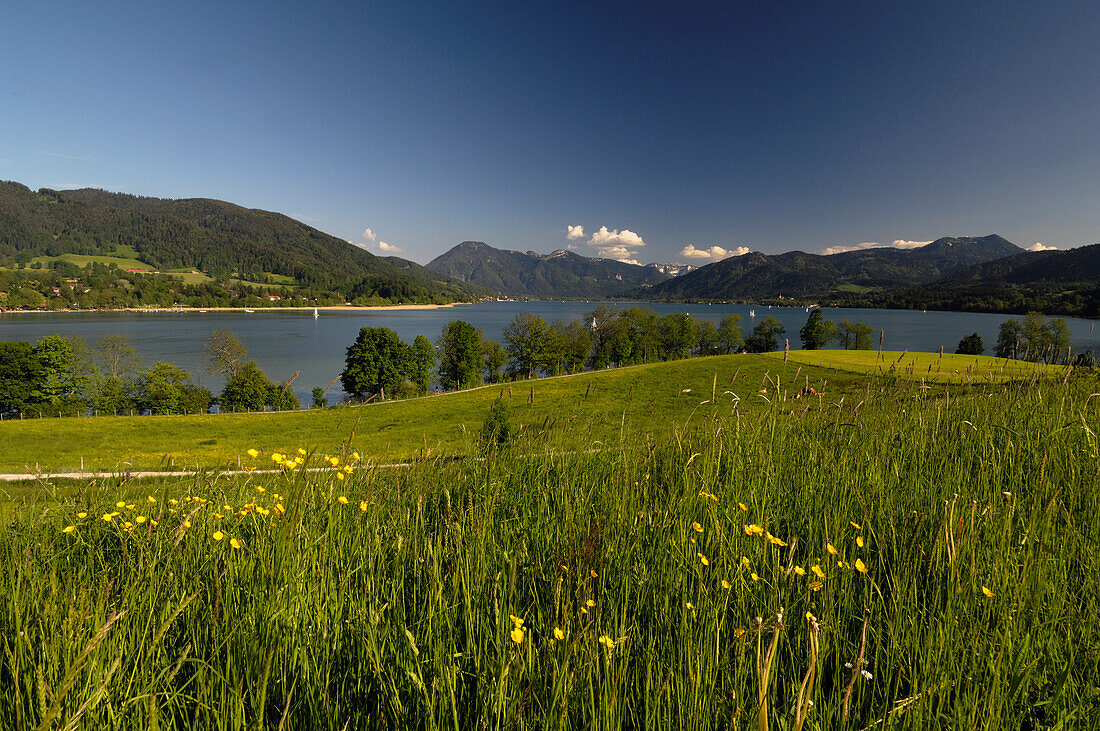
(882, 551)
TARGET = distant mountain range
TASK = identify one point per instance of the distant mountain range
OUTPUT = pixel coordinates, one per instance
(798, 275)
(559, 274)
(219, 238)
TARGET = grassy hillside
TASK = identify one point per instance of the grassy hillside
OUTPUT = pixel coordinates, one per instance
(901, 560)
(627, 405)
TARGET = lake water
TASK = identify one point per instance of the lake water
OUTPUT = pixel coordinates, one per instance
(284, 342)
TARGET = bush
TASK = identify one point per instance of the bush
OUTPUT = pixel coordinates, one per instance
(970, 345)
(498, 429)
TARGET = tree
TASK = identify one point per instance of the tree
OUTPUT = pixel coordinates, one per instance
(971, 345)
(22, 377)
(730, 336)
(116, 356)
(1008, 338)
(854, 336)
(525, 339)
(377, 360)
(167, 388)
(225, 353)
(817, 332)
(679, 333)
(576, 341)
(319, 400)
(247, 390)
(423, 361)
(493, 358)
(765, 336)
(707, 343)
(498, 429)
(62, 381)
(459, 356)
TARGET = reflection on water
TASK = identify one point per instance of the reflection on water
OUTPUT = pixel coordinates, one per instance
(285, 342)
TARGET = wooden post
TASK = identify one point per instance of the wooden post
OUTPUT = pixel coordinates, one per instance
(786, 348)
(531, 396)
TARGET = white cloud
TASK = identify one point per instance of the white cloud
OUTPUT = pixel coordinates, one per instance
(616, 244)
(1040, 246)
(370, 240)
(898, 244)
(574, 232)
(714, 253)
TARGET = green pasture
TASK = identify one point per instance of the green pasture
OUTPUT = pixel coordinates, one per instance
(605, 407)
(612, 406)
(83, 260)
(904, 558)
(928, 367)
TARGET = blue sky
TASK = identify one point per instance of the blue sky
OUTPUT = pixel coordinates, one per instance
(769, 126)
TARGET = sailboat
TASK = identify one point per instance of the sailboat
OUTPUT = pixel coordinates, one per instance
(315, 314)
(752, 313)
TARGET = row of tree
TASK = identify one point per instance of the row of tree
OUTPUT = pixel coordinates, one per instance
(67, 376)
(380, 365)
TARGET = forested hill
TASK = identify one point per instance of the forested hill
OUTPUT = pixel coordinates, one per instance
(1055, 282)
(834, 277)
(219, 238)
(558, 274)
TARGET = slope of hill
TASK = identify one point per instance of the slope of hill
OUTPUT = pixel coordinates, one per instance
(830, 277)
(212, 236)
(558, 274)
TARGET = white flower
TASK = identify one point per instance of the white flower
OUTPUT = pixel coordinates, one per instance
(866, 675)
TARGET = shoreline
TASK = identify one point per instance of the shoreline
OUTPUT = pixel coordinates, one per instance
(250, 310)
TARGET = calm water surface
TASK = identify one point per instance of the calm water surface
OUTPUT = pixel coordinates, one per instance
(285, 342)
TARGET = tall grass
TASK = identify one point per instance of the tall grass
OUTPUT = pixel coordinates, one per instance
(435, 596)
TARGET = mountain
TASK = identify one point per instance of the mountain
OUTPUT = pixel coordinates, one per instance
(558, 274)
(201, 234)
(1054, 282)
(796, 274)
(673, 270)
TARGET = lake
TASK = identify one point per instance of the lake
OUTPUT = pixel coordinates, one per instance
(284, 342)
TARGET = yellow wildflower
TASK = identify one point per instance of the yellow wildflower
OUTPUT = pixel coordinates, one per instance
(703, 559)
(218, 516)
(217, 535)
(140, 519)
(342, 500)
(253, 453)
(754, 576)
(817, 571)
(150, 499)
(772, 539)
(857, 526)
(746, 562)
(516, 621)
(744, 508)
(259, 489)
(800, 571)
(120, 504)
(235, 543)
(860, 566)
(816, 586)
(689, 605)
(339, 475)
(590, 603)
(739, 632)
(334, 461)
(831, 548)
(355, 455)
(108, 517)
(128, 525)
(173, 501)
(279, 508)
(592, 573)
(987, 591)
(859, 541)
(607, 642)
(517, 635)
(363, 505)
(726, 584)
(82, 516)
(558, 634)
(696, 527)
(754, 530)
(301, 451)
(187, 524)
(68, 529)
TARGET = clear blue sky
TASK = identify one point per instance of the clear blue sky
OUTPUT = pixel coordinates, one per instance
(774, 126)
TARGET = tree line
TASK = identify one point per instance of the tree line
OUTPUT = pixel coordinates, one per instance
(67, 376)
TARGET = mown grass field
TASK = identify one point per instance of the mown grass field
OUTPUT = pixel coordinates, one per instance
(606, 407)
(894, 556)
